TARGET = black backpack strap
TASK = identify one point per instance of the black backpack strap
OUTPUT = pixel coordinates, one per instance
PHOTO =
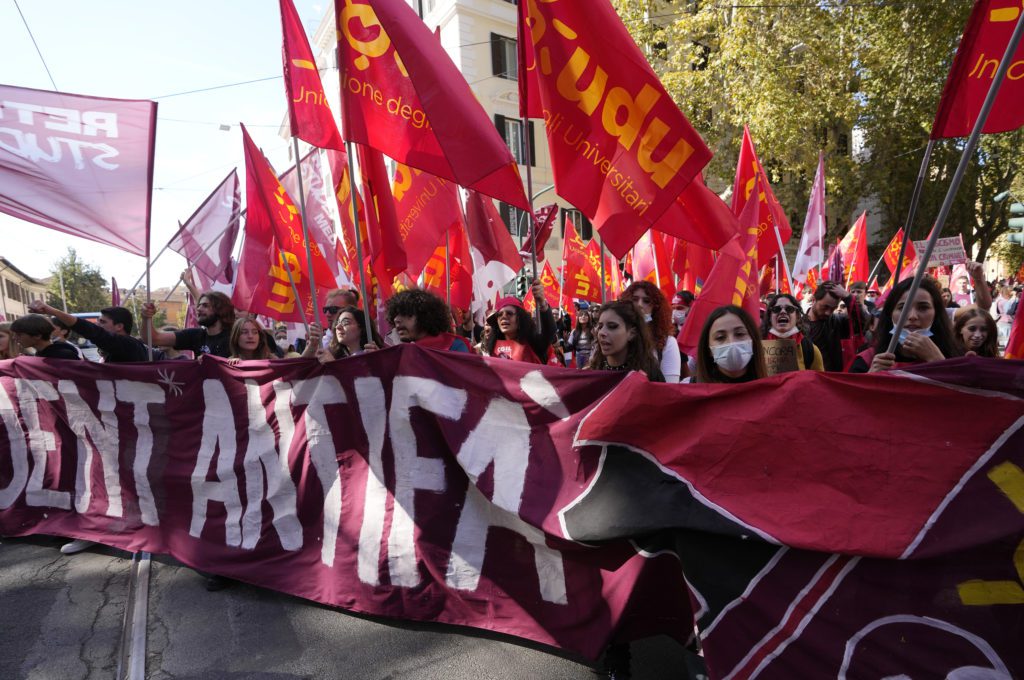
(808, 348)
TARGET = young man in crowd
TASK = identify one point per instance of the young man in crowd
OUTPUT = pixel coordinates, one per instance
(33, 331)
(423, 318)
(216, 316)
(827, 329)
(111, 333)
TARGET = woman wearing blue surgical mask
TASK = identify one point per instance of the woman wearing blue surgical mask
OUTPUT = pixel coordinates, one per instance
(729, 349)
(927, 336)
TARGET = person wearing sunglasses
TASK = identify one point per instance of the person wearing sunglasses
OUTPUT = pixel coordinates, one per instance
(515, 335)
(785, 320)
(336, 300)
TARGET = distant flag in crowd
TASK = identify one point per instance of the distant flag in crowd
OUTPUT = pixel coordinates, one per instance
(982, 47)
(651, 263)
(834, 268)
(458, 283)
(771, 216)
(732, 281)
(104, 197)
(543, 224)
(405, 97)
(208, 236)
(309, 115)
(854, 249)
(496, 258)
(426, 207)
(582, 281)
(699, 216)
(699, 262)
(621, 150)
(811, 251)
(191, 318)
(552, 291)
(892, 252)
(115, 293)
(274, 246)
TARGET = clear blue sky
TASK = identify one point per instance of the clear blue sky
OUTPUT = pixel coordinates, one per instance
(135, 49)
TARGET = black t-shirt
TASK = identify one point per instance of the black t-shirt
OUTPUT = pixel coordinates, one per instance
(58, 350)
(116, 348)
(201, 342)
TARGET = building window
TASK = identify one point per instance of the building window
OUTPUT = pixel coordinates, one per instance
(843, 144)
(504, 60)
(583, 226)
(511, 130)
(515, 219)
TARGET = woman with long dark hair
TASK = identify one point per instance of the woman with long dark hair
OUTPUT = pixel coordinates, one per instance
(784, 319)
(658, 315)
(581, 340)
(349, 336)
(928, 335)
(624, 341)
(515, 336)
(729, 349)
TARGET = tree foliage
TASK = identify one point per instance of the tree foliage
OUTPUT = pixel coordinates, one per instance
(859, 80)
(84, 286)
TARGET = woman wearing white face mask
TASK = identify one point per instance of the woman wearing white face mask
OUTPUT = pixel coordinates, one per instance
(658, 315)
(729, 348)
(784, 319)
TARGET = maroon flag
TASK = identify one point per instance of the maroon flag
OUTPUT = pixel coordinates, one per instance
(981, 50)
(321, 205)
(310, 116)
(405, 97)
(80, 165)
(542, 225)
(207, 237)
(115, 293)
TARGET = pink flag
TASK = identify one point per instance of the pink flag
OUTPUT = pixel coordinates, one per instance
(811, 252)
(115, 293)
(80, 165)
(207, 237)
(319, 210)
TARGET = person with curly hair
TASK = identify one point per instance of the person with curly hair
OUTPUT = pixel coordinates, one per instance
(624, 341)
(423, 318)
(515, 335)
(216, 317)
(975, 332)
(658, 314)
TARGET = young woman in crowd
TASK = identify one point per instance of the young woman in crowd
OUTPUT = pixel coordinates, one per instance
(9, 347)
(515, 336)
(974, 331)
(248, 341)
(784, 319)
(1003, 308)
(624, 341)
(658, 315)
(350, 337)
(928, 335)
(729, 349)
(581, 340)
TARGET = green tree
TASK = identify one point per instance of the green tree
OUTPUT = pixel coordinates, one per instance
(85, 288)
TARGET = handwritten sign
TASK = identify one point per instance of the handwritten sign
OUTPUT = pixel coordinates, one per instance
(780, 356)
(948, 251)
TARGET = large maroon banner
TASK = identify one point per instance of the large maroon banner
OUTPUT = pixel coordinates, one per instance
(826, 525)
(80, 165)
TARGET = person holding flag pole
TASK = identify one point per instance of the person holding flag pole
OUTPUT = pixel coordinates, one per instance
(947, 204)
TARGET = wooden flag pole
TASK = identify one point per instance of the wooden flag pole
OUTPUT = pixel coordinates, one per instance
(305, 235)
(947, 203)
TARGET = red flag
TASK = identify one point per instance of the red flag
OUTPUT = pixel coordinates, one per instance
(699, 216)
(274, 241)
(426, 207)
(543, 223)
(115, 293)
(461, 269)
(345, 247)
(385, 239)
(621, 150)
(80, 165)
(732, 281)
(405, 97)
(310, 116)
(771, 214)
(582, 280)
(699, 262)
(208, 236)
(892, 252)
(651, 263)
(1015, 343)
(854, 248)
(981, 50)
(320, 211)
(496, 259)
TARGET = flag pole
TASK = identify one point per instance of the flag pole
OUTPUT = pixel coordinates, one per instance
(305, 233)
(914, 200)
(295, 290)
(782, 253)
(958, 176)
(358, 232)
(149, 326)
(601, 241)
(448, 270)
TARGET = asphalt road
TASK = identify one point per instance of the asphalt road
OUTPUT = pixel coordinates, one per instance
(62, 619)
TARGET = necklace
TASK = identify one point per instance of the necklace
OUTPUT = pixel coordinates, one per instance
(605, 366)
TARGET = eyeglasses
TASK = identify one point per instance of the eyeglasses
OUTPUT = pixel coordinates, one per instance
(331, 309)
(779, 309)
